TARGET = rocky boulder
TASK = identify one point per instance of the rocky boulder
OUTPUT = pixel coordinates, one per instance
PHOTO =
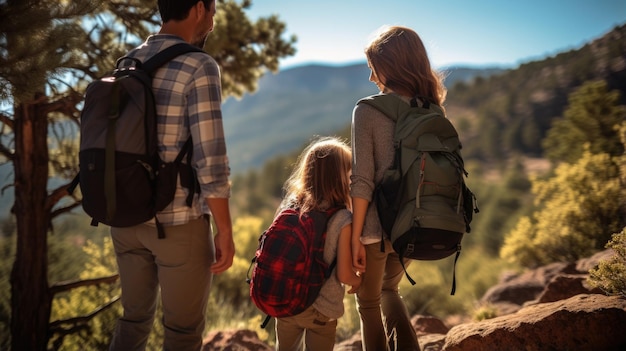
(548, 283)
(583, 322)
(234, 340)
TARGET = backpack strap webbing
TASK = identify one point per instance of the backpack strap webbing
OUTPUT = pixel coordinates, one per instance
(266, 320)
(188, 175)
(118, 101)
(392, 106)
(456, 258)
(166, 55)
(389, 104)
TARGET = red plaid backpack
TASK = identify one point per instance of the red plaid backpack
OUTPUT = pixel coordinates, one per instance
(288, 268)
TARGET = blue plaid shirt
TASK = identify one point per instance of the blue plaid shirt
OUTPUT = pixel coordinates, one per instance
(188, 98)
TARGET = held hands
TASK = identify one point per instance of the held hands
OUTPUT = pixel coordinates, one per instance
(358, 265)
(355, 287)
(358, 256)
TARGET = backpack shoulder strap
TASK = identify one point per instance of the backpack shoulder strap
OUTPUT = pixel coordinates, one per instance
(161, 58)
(394, 107)
(389, 104)
(167, 55)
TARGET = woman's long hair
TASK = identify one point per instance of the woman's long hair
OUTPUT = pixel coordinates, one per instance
(398, 58)
(320, 179)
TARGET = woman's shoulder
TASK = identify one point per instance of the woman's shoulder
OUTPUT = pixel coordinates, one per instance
(364, 108)
(364, 113)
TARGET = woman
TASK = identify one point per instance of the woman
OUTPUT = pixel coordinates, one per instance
(399, 65)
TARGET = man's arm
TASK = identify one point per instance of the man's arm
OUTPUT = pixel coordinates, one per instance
(223, 238)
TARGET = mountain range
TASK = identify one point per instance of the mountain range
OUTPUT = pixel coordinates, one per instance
(499, 112)
(294, 105)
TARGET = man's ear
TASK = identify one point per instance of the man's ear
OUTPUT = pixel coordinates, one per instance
(200, 8)
(197, 10)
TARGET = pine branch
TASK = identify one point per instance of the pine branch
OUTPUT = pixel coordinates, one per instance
(7, 120)
(56, 325)
(65, 209)
(6, 152)
(67, 286)
(65, 105)
(77, 323)
(56, 195)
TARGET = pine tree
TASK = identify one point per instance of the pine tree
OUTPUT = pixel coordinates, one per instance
(50, 50)
(577, 210)
(592, 118)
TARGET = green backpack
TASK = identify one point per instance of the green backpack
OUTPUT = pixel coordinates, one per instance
(423, 203)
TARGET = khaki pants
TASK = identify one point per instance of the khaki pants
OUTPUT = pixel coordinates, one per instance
(309, 330)
(179, 265)
(385, 321)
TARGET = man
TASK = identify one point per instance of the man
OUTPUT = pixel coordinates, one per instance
(188, 97)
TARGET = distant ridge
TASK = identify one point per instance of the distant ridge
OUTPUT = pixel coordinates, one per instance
(291, 107)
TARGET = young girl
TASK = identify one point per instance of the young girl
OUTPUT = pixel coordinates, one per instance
(321, 181)
(399, 65)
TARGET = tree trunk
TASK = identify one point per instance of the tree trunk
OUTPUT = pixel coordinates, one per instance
(31, 299)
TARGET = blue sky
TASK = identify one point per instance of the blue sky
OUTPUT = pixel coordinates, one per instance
(474, 32)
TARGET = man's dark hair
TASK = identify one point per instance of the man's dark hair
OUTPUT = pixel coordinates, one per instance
(178, 9)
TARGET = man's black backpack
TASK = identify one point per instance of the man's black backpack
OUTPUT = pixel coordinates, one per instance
(423, 202)
(122, 178)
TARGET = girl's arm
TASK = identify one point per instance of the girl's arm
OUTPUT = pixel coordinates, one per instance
(345, 272)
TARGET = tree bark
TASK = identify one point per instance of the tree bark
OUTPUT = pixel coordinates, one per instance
(31, 298)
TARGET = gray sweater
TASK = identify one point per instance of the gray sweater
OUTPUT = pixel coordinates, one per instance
(329, 302)
(372, 154)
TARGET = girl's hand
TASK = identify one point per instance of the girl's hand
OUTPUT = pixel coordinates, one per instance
(354, 288)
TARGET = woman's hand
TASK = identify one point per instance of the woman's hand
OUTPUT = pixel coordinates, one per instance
(358, 257)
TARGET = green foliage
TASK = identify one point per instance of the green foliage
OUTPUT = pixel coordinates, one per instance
(69, 259)
(231, 286)
(584, 201)
(425, 297)
(591, 121)
(488, 146)
(610, 274)
(47, 39)
(578, 208)
(503, 196)
(65, 254)
(485, 312)
(515, 109)
(245, 49)
(83, 301)
(258, 193)
(477, 271)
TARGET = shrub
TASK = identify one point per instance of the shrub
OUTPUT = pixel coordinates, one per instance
(610, 274)
(485, 312)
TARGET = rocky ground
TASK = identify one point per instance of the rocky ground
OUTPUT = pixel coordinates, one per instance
(549, 308)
